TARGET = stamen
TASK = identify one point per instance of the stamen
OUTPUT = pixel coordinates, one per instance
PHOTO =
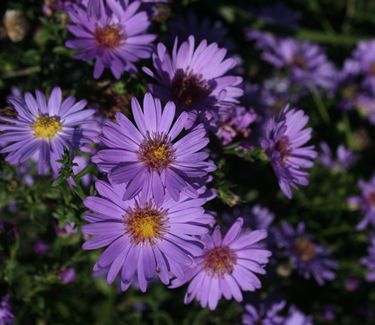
(298, 61)
(306, 250)
(46, 127)
(220, 261)
(283, 147)
(108, 37)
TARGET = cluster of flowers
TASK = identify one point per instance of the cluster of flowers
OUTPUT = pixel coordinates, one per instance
(155, 168)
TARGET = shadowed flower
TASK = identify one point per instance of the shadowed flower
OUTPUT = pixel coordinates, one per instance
(6, 315)
(42, 130)
(195, 78)
(226, 266)
(344, 160)
(310, 259)
(369, 261)
(279, 14)
(264, 314)
(283, 142)
(116, 39)
(365, 202)
(144, 240)
(148, 158)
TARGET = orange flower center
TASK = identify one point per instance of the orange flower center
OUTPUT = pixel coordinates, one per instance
(220, 261)
(108, 37)
(306, 250)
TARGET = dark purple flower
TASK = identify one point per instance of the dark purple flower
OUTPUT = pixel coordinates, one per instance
(306, 63)
(144, 240)
(352, 284)
(310, 259)
(264, 314)
(116, 39)
(234, 121)
(283, 143)
(42, 131)
(279, 14)
(67, 275)
(148, 158)
(369, 261)
(297, 317)
(6, 315)
(41, 248)
(329, 313)
(195, 78)
(344, 160)
(226, 266)
(365, 202)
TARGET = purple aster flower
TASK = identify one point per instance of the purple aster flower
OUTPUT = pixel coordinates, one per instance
(310, 259)
(6, 315)
(279, 14)
(369, 261)
(144, 239)
(283, 143)
(195, 78)
(365, 202)
(226, 266)
(42, 131)
(344, 160)
(265, 314)
(116, 40)
(148, 158)
(306, 63)
(297, 317)
(41, 248)
(234, 121)
(67, 275)
(66, 230)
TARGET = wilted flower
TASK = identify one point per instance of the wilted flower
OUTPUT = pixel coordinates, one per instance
(369, 261)
(365, 202)
(226, 266)
(16, 25)
(144, 239)
(283, 143)
(42, 131)
(265, 313)
(116, 39)
(147, 158)
(195, 78)
(310, 259)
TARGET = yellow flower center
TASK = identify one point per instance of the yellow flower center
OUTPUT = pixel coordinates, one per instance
(108, 37)
(145, 224)
(220, 261)
(46, 127)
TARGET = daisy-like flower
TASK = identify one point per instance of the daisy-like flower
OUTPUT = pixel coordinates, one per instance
(306, 63)
(226, 266)
(195, 78)
(42, 130)
(283, 143)
(266, 314)
(148, 157)
(369, 261)
(115, 39)
(345, 158)
(365, 203)
(144, 240)
(310, 259)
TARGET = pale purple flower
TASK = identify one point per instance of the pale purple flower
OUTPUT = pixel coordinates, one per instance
(306, 63)
(117, 39)
(148, 158)
(283, 143)
(369, 261)
(264, 314)
(297, 317)
(365, 202)
(344, 160)
(195, 78)
(66, 230)
(6, 314)
(233, 122)
(308, 258)
(226, 267)
(43, 130)
(67, 275)
(144, 240)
